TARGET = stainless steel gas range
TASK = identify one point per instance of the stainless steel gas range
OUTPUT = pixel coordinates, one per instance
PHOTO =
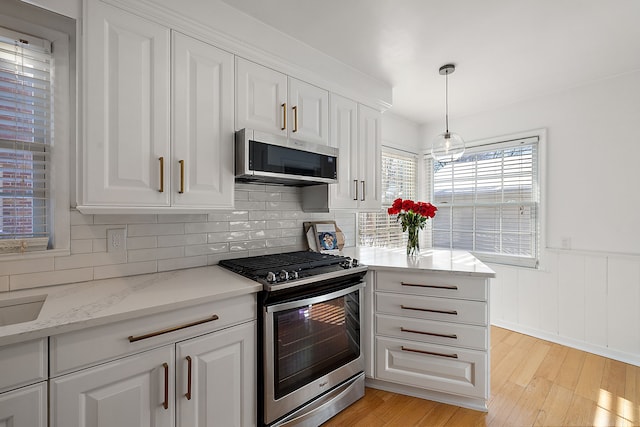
(310, 360)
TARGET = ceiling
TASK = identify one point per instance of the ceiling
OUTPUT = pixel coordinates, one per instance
(505, 51)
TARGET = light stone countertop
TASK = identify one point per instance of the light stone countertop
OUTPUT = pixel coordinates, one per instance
(81, 305)
(434, 260)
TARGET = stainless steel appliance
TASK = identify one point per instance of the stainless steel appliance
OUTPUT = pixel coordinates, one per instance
(262, 157)
(310, 360)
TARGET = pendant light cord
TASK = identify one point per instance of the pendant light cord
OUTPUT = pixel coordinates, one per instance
(446, 100)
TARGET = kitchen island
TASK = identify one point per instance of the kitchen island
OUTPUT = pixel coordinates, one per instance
(427, 324)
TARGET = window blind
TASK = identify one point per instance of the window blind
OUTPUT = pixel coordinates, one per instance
(25, 141)
(488, 202)
(398, 179)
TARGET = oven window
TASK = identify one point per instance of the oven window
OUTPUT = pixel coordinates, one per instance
(313, 340)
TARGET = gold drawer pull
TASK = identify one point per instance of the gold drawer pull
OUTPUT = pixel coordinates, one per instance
(172, 329)
(430, 353)
(188, 394)
(161, 159)
(433, 334)
(430, 310)
(447, 287)
(181, 162)
(165, 404)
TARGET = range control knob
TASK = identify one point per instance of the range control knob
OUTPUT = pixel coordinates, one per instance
(354, 262)
(283, 275)
(346, 263)
(293, 275)
(271, 277)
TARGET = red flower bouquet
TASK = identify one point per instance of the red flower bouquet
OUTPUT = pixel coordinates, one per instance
(413, 216)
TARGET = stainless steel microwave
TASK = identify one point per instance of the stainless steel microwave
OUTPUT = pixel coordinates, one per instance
(267, 158)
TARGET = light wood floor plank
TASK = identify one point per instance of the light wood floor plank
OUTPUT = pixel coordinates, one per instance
(534, 383)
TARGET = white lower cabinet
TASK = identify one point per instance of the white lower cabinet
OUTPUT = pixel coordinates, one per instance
(216, 379)
(135, 391)
(24, 407)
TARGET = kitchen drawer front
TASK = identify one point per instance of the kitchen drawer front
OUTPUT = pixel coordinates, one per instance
(450, 370)
(432, 284)
(86, 347)
(449, 310)
(22, 364)
(431, 331)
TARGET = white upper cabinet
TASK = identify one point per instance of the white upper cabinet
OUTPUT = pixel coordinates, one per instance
(269, 101)
(147, 148)
(369, 158)
(126, 86)
(202, 143)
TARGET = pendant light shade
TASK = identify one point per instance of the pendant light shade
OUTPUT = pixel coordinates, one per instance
(448, 146)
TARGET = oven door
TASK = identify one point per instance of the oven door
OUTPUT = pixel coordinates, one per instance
(311, 346)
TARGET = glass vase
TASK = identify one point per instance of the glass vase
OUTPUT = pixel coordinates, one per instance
(413, 242)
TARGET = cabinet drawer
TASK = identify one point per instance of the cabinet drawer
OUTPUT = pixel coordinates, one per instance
(23, 363)
(457, 311)
(86, 347)
(432, 367)
(432, 331)
(432, 284)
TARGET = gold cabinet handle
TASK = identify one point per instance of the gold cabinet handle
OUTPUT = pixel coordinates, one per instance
(362, 199)
(430, 353)
(430, 310)
(161, 190)
(188, 394)
(172, 329)
(284, 116)
(295, 118)
(355, 183)
(181, 176)
(165, 404)
(447, 287)
(433, 334)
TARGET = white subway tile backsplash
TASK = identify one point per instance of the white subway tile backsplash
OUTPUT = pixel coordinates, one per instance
(129, 269)
(181, 240)
(266, 219)
(48, 278)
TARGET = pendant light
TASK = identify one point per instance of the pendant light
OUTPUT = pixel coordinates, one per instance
(448, 146)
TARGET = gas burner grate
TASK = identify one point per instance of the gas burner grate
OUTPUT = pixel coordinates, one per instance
(291, 261)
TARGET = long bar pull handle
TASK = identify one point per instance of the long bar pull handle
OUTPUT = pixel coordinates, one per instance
(430, 353)
(188, 394)
(165, 404)
(433, 334)
(355, 183)
(363, 192)
(430, 310)
(172, 329)
(295, 118)
(284, 116)
(181, 176)
(161, 190)
(448, 287)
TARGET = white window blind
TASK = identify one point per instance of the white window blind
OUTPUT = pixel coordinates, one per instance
(488, 202)
(25, 141)
(398, 178)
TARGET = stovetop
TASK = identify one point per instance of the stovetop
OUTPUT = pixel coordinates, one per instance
(290, 269)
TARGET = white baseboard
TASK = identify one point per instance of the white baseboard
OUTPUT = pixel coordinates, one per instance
(633, 359)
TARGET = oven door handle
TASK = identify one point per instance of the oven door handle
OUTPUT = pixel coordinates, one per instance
(313, 300)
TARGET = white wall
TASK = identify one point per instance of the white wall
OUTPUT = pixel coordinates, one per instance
(586, 295)
(398, 132)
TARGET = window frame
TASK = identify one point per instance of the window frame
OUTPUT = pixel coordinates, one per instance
(496, 143)
(23, 19)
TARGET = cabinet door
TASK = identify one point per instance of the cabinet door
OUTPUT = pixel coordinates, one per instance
(126, 82)
(25, 407)
(129, 392)
(370, 140)
(308, 112)
(344, 136)
(202, 152)
(261, 98)
(223, 379)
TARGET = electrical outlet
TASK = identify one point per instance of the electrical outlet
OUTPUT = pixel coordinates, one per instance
(116, 240)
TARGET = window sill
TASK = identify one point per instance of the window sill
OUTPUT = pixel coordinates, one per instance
(34, 255)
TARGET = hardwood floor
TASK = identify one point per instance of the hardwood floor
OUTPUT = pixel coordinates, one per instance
(533, 383)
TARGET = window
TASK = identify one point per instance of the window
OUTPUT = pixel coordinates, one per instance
(398, 180)
(25, 141)
(489, 202)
